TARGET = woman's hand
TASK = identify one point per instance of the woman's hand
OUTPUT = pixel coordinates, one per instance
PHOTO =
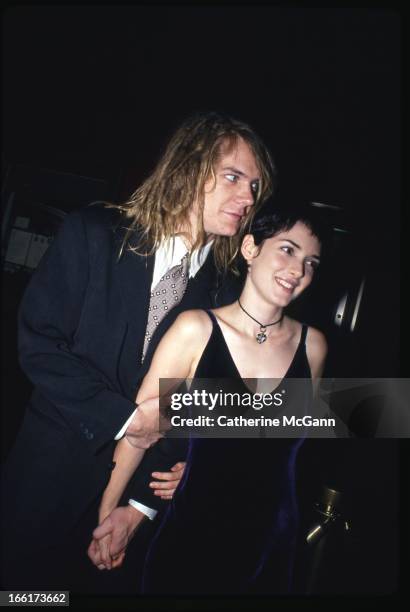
(112, 536)
(99, 553)
(99, 550)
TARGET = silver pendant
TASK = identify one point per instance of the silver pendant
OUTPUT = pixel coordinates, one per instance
(261, 336)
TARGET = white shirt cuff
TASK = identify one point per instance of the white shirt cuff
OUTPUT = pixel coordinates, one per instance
(149, 512)
(125, 426)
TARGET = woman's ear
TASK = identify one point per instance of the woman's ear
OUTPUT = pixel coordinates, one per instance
(248, 248)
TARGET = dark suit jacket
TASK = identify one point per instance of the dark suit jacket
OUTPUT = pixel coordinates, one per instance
(82, 325)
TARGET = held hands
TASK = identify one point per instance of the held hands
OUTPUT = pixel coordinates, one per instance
(148, 424)
(111, 537)
(116, 529)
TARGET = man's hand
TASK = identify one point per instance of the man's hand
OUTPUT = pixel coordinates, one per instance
(171, 479)
(98, 552)
(147, 425)
(111, 538)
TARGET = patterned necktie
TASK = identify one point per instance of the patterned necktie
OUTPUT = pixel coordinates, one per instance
(165, 295)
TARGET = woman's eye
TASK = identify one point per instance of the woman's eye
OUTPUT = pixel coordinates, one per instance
(255, 186)
(312, 263)
(287, 249)
(232, 177)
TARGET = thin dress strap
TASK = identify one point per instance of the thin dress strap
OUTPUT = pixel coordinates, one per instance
(212, 317)
(304, 333)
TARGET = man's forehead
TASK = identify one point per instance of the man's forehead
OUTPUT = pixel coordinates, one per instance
(231, 145)
(232, 152)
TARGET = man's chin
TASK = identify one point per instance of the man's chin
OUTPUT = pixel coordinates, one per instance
(226, 230)
(230, 230)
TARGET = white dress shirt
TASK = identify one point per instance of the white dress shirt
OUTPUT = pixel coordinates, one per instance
(167, 256)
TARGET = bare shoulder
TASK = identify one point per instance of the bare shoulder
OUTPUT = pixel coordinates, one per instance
(316, 349)
(316, 341)
(186, 338)
(193, 324)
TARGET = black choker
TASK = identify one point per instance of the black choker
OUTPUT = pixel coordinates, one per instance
(261, 336)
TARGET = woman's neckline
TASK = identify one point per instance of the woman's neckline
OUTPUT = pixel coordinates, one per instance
(236, 367)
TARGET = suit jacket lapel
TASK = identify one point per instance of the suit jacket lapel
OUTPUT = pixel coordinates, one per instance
(134, 273)
(200, 289)
(210, 289)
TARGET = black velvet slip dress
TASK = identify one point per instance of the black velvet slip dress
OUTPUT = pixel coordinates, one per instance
(234, 514)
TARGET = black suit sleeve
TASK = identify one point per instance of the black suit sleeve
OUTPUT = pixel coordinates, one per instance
(48, 319)
(159, 458)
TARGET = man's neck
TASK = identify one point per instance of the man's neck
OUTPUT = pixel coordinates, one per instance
(189, 237)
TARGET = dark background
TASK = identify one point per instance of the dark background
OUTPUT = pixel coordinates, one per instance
(96, 91)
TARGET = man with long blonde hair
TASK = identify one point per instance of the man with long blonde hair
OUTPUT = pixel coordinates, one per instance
(111, 284)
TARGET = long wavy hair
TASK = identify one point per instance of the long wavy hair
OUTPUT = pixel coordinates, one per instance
(160, 207)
